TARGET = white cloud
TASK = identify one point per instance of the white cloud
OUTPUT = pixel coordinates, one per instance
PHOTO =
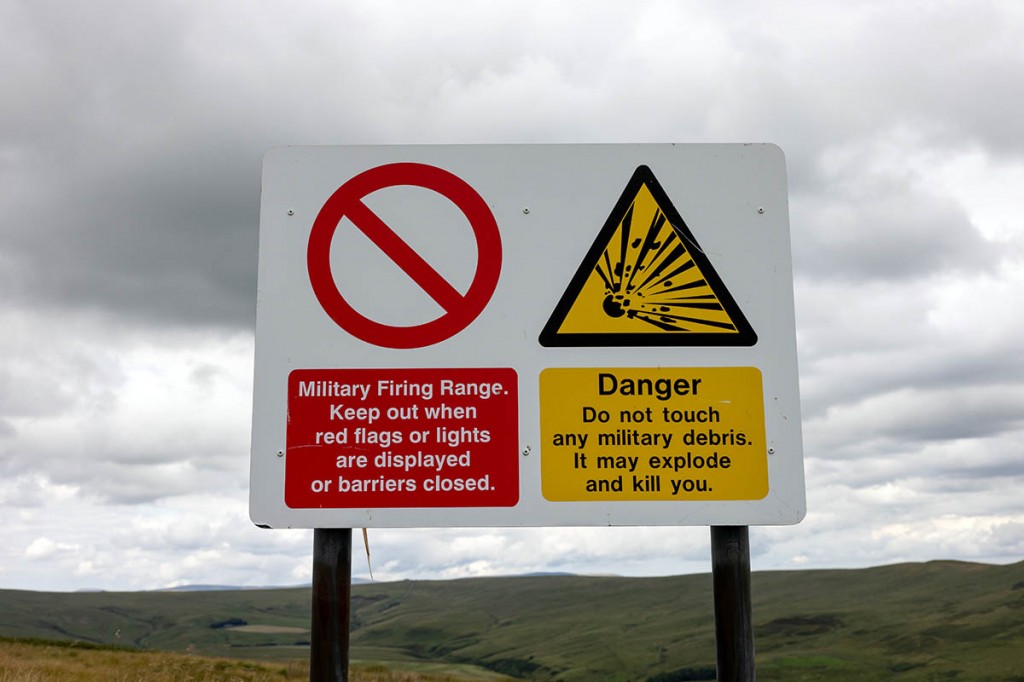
(45, 548)
(154, 417)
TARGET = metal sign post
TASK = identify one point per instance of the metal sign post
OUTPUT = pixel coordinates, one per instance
(734, 632)
(332, 603)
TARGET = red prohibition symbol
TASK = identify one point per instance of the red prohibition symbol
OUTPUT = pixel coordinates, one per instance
(460, 310)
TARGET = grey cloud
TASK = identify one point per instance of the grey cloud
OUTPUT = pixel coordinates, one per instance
(116, 412)
(53, 383)
(885, 231)
(942, 391)
(908, 421)
(121, 484)
(143, 142)
(22, 492)
(952, 481)
(962, 39)
(879, 337)
(136, 466)
(168, 243)
(890, 66)
(139, 183)
(130, 145)
(1010, 536)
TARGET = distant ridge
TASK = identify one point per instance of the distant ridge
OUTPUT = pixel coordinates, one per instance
(226, 588)
(542, 574)
(355, 581)
(907, 622)
(204, 588)
(231, 588)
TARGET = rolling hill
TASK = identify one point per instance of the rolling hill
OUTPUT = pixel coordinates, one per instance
(933, 621)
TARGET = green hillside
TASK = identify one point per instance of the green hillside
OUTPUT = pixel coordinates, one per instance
(933, 621)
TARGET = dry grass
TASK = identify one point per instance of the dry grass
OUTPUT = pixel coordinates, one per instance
(24, 661)
(38, 662)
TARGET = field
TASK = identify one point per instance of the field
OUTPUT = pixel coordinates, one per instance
(38, 661)
(909, 622)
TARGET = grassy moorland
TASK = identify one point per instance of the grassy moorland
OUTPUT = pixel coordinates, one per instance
(38, 660)
(909, 622)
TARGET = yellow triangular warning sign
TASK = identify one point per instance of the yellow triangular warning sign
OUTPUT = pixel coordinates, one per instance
(646, 282)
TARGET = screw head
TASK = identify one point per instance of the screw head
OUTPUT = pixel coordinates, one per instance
(760, 209)
(526, 210)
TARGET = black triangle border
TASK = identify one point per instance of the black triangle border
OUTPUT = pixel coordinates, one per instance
(549, 336)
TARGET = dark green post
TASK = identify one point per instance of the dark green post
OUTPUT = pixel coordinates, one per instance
(734, 630)
(332, 603)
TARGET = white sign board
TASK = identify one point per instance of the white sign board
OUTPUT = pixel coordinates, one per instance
(525, 335)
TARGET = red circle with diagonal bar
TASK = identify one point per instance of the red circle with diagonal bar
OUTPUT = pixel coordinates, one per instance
(459, 309)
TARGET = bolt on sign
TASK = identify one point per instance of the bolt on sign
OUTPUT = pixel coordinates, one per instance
(525, 335)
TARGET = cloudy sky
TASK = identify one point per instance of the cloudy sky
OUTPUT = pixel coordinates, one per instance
(131, 139)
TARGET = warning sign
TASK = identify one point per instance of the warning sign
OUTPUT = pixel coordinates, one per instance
(525, 335)
(460, 310)
(361, 438)
(653, 434)
(646, 282)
